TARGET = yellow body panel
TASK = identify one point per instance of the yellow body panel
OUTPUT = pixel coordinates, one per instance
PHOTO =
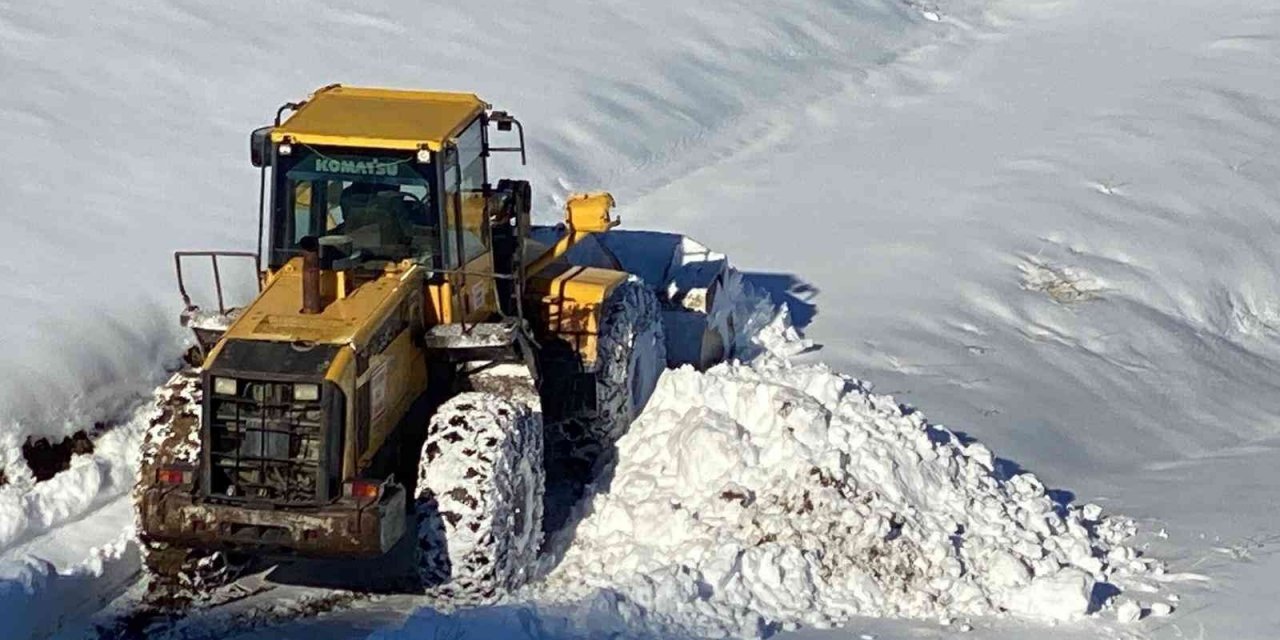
(584, 214)
(342, 372)
(394, 372)
(568, 300)
(380, 118)
(590, 212)
(440, 304)
(399, 375)
(276, 313)
(479, 296)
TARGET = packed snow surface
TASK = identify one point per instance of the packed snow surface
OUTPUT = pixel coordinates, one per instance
(36, 597)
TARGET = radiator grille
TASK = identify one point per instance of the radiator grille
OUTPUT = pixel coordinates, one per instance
(265, 445)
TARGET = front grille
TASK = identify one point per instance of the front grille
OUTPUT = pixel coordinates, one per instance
(264, 445)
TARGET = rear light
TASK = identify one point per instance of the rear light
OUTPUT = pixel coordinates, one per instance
(363, 489)
(175, 475)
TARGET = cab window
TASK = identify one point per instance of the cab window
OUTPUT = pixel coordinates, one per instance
(471, 168)
(382, 205)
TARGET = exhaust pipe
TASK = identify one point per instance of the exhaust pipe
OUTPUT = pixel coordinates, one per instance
(311, 302)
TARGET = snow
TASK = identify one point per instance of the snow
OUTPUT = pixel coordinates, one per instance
(1128, 611)
(150, 105)
(1047, 224)
(768, 494)
(29, 509)
(36, 598)
(209, 320)
(67, 545)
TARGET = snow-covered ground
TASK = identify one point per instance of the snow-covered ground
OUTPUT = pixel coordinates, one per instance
(1058, 238)
(1048, 225)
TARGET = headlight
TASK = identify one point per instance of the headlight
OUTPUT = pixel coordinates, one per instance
(224, 386)
(306, 392)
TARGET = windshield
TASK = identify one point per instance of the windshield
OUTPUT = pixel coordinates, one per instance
(381, 204)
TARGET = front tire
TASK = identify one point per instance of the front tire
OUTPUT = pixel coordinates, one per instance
(479, 498)
(597, 407)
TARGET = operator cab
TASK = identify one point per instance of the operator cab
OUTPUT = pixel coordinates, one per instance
(382, 176)
(381, 207)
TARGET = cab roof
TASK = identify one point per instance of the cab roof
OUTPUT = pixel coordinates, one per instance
(380, 118)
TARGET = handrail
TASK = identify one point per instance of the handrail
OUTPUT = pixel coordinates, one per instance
(217, 275)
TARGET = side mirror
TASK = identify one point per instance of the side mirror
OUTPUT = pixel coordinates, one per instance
(260, 147)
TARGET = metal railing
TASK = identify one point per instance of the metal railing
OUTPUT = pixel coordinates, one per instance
(217, 274)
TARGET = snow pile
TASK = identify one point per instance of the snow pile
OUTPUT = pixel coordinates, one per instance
(210, 320)
(767, 494)
(29, 508)
(49, 573)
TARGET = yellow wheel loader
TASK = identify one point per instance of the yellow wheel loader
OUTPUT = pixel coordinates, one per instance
(420, 361)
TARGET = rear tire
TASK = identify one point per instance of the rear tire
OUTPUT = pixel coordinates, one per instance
(479, 497)
(179, 574)
(173, 437)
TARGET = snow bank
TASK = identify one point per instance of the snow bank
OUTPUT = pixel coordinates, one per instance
(29, 508)
(49, 572)
(767, 494)
(37, 599)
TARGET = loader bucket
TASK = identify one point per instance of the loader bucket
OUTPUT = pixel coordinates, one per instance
(687, 278)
